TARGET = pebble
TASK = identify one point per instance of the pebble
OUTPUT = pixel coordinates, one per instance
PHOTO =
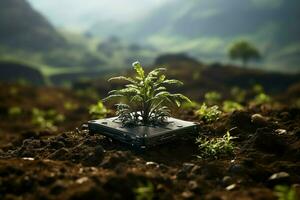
(187, 167)
(279, 178)
(152, 164)
(227, 180)
(231, 187)
(259, 120)
(281, 131)
(82, 180)
(187, 195)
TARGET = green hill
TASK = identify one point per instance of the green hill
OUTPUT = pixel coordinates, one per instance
(23, 27)
(206, 28)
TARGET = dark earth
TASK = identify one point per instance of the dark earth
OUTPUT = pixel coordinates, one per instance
(68, 162)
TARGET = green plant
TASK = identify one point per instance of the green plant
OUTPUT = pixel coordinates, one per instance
(261, 98)
(208, 114)
(238, 94)
(146, 97)
(212, 98)
(213, 148)
(144, 191)
(15, 111)
(46, 119)
(244, 51)
(98, 110)
(284, 192)
(257, 89)
(230, 106)
(70, 105)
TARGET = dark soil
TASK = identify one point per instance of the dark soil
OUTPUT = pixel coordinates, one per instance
(71, 163)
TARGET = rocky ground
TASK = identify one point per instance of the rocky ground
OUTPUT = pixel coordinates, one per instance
(68, 162)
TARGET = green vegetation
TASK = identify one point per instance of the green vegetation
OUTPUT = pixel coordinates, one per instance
(46, 119)
(70, 106)
(243, 51)
(261, 98)
(215, 147)
(146, 97)
(212, 98)
(144, 191)
(284, 192)
(98, 110)
(230, 106)
(238, 94)
(15, 111)
(208, 114)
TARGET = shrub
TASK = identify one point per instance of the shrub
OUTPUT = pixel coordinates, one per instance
(215, 147)
(208, 114)
(146, 97)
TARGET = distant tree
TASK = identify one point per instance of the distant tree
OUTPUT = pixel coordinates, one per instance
(244, 51)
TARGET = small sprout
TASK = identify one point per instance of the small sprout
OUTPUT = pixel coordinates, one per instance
(212, 98)
(70, 106)
(15, 111)
(230, 106)
(46, 119)
(98, 110)
(284, 192)
(144, 191)
(190, 105)
(146, 99)
(238, 94)
(257, 89)
(261, 98)
(208, 114)
(215, 147)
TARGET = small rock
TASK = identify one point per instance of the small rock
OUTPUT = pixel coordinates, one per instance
(152, 164)
(279, 179)
(227, 180)
(163, 167)
(267, 141)
(187, 167)
(187, 195)
(196, 170)
(231, 187)
(82, 180)
(281, 131)
(193, 185)
(259, 120)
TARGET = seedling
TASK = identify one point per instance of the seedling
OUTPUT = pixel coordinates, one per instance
(144, 191)
(214, 148)
(208, 114)
(144, 109)
(284, 192)
(230, 106)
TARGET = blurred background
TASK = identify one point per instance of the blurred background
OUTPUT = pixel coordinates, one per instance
(56, 56)
(59, 42)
